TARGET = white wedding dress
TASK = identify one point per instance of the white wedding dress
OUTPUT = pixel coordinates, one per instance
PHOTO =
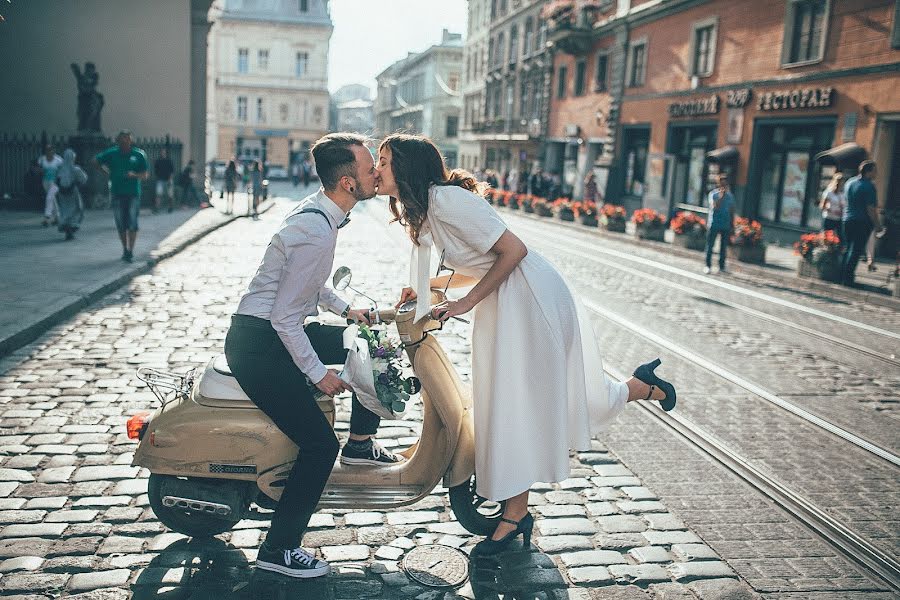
(537, 377)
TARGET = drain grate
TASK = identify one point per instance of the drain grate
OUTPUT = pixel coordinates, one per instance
(435, 565)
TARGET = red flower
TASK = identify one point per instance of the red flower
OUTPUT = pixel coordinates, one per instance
(648, 216)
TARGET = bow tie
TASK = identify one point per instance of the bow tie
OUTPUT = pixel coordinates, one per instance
(345, 221)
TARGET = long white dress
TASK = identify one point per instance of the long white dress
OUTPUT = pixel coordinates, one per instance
(537, 376)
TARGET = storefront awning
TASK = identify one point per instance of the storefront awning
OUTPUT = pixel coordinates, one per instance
(723, 155)
(845, 156)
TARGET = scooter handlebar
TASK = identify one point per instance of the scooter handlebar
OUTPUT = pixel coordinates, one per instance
(385, 315)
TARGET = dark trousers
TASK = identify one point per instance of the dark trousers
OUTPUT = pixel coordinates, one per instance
(723, 245)
(266, 372)
(832, 225)
(855, 235)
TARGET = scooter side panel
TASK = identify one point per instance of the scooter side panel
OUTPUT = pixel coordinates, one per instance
(192, 440)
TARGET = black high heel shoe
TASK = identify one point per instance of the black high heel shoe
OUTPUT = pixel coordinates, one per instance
(646, 374)
(488, 546)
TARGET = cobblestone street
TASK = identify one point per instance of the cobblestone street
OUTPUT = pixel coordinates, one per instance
(643, 516)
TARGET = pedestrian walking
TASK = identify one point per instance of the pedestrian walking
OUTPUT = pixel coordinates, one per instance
(536, 367)
(721, 222)
(163, 168)
(256, 187)
(231, 177)
(590, 188)
(859, 220)
(127, 167)
(185, 184)
(307, 172)
(295, 173)
(69, 205)
(49, 162)
(832, 204)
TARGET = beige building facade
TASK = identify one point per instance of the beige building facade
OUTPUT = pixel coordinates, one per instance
(474, 68)
(269, 92)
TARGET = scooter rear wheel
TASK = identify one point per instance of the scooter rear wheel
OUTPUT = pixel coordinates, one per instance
(478, 515)
(192, 523)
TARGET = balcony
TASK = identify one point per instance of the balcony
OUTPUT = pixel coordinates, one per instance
(502, 128)
(569, 24)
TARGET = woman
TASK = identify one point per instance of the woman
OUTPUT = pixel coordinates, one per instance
(68, 198)
(590, 188)
(832, 204)
(231, 176)
(536, 368)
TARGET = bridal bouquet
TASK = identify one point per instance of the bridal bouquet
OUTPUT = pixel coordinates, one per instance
(374, 369)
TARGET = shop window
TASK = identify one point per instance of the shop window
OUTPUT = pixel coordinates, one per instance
(561, 75)
(703, 47)
(580, 68)
(635, 152)
(805, 31)
(243, 60)
(637, 63)
(601, 72)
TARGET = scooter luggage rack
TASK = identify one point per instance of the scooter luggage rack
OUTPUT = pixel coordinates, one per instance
(167, 386)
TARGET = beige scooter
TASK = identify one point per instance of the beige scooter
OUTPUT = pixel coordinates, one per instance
(212, 453)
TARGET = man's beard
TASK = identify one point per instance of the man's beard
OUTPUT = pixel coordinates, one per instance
(361, 195)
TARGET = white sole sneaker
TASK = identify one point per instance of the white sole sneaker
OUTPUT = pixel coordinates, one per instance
(300, 574)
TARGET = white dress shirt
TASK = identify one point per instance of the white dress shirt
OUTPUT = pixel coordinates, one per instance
(290, 281)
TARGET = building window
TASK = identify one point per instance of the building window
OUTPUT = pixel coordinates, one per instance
(580, 68)
(561, 75)
(452, 127)
(243, 60)
(262, 60)
(453, 82)
(526, 48)
(301, 64)
(895, 37)
(242, 108)
(304, 5)
(490, 57)
(514, 44)
(703, 48)
(805, 28)
(260, 111)
(524, 100)
(283, 111)
(601, 72)
(501, 43)
(637, 66)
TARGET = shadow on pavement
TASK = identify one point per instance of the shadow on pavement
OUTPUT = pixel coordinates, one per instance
(514, 575)
(193, 568)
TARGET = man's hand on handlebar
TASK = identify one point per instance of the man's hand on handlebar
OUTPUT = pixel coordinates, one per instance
(332, 385)
(405, 296)
(359, 315)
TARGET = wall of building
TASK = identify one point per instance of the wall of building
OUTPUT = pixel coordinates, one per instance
(141, 51)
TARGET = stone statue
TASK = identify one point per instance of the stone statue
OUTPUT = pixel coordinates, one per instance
(90, 101)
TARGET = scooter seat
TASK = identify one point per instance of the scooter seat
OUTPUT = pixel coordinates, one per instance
(220, 365)
(218, 386)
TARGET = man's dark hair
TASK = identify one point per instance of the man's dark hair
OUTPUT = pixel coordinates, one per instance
(866, 167)
(334, 158)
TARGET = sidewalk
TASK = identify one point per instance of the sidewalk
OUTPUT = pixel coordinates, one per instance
(781, 265)
(47, 279)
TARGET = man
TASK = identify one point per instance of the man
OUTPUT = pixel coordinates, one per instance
(127, 167)
(273, 354)
(163, 169)
(186, 184)
(49, 162)
(721, 222)
(860, 218)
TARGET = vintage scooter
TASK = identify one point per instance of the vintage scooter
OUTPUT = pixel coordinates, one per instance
(212, 453)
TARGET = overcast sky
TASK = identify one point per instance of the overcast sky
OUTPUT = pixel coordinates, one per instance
(369, 36)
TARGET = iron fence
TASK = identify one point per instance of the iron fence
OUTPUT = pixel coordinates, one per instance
(20, 179)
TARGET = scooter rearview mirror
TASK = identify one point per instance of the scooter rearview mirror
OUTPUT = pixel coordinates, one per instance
(341, 279)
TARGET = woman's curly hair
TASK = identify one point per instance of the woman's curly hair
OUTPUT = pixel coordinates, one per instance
(417, 164)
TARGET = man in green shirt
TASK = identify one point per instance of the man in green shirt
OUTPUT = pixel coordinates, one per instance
(127, 167)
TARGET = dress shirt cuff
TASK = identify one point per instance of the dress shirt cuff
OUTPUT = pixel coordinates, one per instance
(317, 373)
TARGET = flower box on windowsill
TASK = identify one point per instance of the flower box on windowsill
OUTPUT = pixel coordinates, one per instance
(689, 241)
(755, 254)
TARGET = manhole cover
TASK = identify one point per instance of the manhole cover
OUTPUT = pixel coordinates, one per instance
(434, 565)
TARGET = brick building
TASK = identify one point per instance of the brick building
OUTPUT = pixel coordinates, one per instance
(659, 96)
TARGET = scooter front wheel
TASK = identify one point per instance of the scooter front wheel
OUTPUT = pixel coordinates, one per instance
(178, 515)
(476, 514)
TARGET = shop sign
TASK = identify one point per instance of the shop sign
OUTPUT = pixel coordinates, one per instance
(794, 99)
(737, 98)
(692, 108)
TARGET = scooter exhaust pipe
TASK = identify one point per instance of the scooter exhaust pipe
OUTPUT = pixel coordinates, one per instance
(213, 508)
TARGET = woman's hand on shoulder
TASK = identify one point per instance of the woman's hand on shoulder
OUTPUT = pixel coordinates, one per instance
(405, 296)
